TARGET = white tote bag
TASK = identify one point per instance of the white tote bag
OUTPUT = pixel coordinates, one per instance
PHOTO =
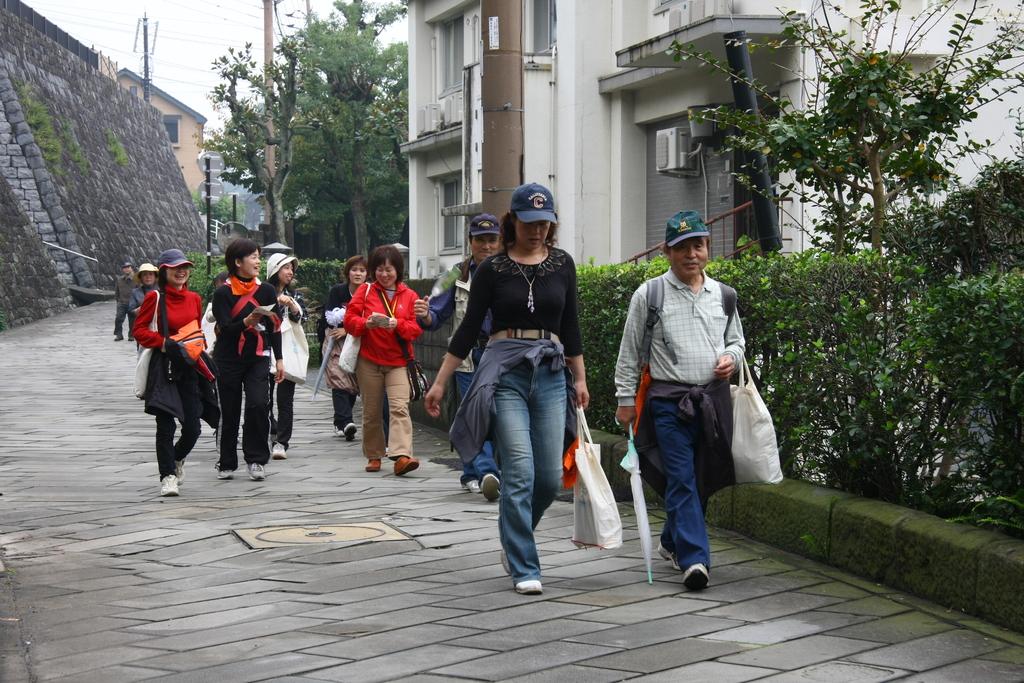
(595, 514)
(294, 351)
(755, 454)
(142, 364)
(349, 353)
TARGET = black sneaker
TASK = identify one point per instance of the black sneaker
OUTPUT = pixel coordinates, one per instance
(350, 432)
(695, 577)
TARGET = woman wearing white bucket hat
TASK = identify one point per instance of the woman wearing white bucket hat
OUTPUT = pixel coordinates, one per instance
(281, 273)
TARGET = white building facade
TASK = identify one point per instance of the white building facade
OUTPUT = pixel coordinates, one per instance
(606, 120)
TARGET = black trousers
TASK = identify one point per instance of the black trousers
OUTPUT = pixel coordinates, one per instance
(344, 402)
(251, 376)
(167, 451)
(281, 426)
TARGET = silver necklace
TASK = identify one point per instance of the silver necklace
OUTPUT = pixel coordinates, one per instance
(529, 281)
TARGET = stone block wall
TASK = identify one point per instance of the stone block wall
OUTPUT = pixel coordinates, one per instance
(29, 281)
(116, 191)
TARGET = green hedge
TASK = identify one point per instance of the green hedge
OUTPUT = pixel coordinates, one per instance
(874, 373)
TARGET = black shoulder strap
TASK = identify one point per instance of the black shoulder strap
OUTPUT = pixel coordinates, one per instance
(162, 312)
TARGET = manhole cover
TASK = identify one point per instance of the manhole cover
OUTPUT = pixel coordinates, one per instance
(278, 536)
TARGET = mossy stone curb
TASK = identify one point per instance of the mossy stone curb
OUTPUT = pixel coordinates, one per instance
(863, 538)
(1000, 594)
(788, 515)
(975, 570)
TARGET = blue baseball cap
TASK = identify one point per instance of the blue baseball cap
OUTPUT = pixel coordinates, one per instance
(532, 202)
(683, 226)
(172, 258)
(484, 224)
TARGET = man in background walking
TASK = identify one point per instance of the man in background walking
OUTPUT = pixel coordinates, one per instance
(123, 293)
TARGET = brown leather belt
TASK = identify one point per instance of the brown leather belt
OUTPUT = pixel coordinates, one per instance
(525, 334)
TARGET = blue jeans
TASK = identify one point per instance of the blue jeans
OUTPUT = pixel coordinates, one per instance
(484, 462)
(529, 428)
(684, 533)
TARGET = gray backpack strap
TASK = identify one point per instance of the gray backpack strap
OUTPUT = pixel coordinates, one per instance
(728, 300)
(655, 299)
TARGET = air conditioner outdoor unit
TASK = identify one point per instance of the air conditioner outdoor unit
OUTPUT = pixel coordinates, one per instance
(453, 109)
(672, 151)
(427, 267)
(428, 118)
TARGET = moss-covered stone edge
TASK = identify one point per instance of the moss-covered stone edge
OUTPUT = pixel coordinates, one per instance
(973, 570)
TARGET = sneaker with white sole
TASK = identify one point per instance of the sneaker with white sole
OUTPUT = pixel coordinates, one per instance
(695, 577)
(530, 587)
(338, 431)
(667, 555)
(490, 486)
(279, 452)
(169, 485)
(256, 471)
(473, 486)
(350, 431)
(179, 471)
(223, 474)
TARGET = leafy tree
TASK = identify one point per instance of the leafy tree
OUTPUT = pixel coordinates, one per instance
(881, 122)
(352, 173)
(261, 104)
(220, 209)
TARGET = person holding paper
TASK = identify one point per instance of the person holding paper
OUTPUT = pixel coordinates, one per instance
(248, 329)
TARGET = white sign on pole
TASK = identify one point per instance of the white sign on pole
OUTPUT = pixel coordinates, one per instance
(492, 33)
(216, 161)
(216, 189)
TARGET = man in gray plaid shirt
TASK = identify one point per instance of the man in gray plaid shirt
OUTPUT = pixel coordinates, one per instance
(695, 347)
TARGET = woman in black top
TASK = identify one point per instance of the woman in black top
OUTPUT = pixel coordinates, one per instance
(246, 334)
(530, 289)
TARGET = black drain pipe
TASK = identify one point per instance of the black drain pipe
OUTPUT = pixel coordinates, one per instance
(765, 213)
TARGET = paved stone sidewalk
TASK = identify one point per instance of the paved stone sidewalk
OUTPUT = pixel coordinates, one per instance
(105, 581)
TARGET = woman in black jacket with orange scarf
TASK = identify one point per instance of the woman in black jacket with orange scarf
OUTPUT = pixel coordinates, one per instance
(247, 334)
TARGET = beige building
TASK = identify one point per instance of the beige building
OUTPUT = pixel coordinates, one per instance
(184, 125)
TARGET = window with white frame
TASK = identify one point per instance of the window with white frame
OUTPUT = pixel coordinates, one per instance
(451, 54)
(451, 195)
(543, 25)
(171, 123)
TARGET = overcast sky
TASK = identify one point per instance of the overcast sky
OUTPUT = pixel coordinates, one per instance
(189, 36)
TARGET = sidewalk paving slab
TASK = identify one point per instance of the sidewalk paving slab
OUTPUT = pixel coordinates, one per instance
(103, 580)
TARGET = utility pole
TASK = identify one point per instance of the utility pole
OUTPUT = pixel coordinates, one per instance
(147, 82)
(502, 100)
(268, 59)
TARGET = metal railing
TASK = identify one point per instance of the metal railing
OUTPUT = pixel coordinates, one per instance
(51, 31)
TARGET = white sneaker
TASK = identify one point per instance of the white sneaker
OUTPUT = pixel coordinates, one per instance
(531, 587)
(179, 471)
(256, 472)
(338, 431)
(350, 431)
(169, 485)
(224, 474)
(279, 452)
(666, 555)
(695, 577)
(473, 486)
(490, 486)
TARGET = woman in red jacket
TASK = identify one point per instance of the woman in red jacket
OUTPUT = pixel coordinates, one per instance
(381, 315)
(183, 307)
